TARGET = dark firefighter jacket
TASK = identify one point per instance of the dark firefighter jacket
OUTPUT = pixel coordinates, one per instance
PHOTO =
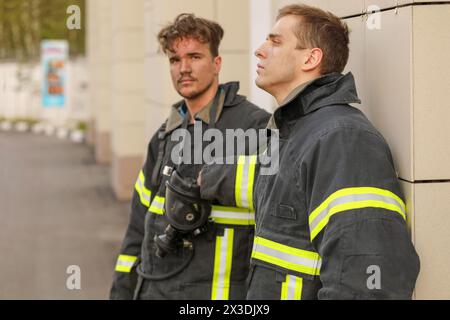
(331, 222)
(221, 258)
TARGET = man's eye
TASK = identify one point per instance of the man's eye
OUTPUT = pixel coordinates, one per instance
(172, 61)
(196, 57)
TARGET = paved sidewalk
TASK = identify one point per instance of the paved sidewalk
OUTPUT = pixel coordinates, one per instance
(56, 210)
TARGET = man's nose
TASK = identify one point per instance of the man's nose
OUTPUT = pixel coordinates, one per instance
(185, 66)
(259, 53)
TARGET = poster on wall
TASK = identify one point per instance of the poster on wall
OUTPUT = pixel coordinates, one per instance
(54, 55)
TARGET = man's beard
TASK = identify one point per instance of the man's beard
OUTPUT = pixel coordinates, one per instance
(195, 94)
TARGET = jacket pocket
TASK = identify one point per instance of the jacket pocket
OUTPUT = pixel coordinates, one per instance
(285, 211)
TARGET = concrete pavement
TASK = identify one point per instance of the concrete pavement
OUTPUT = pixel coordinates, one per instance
(56, 210)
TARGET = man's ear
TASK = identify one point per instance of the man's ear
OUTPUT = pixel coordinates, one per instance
(312, 60)
(218, 64)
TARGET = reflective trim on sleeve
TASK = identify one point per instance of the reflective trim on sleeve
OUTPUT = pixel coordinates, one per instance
(350, 199)
(125, 263)
(289, 258)
(144, 193)
(222, 266)
(157, 205)
(219, 214)
(232, 215)
(245, 176)
(291, 288)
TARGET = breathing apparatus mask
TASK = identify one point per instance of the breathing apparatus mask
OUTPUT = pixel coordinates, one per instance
(186, 212)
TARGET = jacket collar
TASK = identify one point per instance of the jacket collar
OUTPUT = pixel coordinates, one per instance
(228, 98)
(327, 90)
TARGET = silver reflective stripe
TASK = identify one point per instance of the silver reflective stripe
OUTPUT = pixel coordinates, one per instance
(123, 263)
(302, 261)
(245, 183)
(245, 175)
(157, 205)
(349, 199)
(139, 182)
(290, 258)
(144, 194)
(232, 215)
(291, 288)
(222, 266)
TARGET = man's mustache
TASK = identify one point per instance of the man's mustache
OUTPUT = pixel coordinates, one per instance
(186, 79)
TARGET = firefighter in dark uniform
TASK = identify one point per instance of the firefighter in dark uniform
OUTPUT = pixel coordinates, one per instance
(159, 260)
(331, 222)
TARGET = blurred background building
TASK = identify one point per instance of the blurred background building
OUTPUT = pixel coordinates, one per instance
(119, 89)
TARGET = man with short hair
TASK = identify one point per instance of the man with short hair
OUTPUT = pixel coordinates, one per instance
(331, 223)
(213, 261)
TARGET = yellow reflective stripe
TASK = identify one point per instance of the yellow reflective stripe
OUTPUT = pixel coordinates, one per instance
(144, 193)
(125, 263)
(222, 266)
(291, 288)
(157, 205)
(350, 199)
(219, 214)
(232, 215)
(290, 258)
(251, 178)
(245, 175)
(238, 185)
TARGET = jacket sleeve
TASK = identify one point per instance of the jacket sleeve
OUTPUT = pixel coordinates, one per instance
(357, 217)
(125, 277)
(232, 183)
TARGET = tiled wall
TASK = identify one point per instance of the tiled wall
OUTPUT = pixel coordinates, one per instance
(402, 72)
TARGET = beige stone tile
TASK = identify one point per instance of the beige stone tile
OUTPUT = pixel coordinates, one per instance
(431, 46)
(431, 219)
(233, 16)
(103, 147)
(128, 45)
(128, 140)
(126, 14)
(128, 77)
(357, 59)
(235, 68)
(127, 109)
(388, 85)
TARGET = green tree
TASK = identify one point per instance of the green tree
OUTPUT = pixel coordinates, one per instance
(24, 23)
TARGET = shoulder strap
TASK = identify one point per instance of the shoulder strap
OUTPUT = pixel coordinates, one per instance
(162, 145)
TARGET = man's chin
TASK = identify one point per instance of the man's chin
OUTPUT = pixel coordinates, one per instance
(188, 94)
(259, 83)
